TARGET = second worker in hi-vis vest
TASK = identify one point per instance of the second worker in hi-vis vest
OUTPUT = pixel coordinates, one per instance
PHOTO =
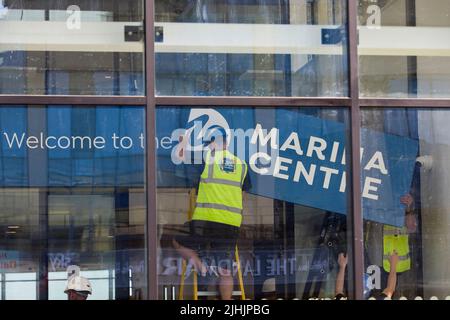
(217, 216)
(396, 240)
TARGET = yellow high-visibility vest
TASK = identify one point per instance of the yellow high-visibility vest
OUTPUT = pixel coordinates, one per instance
(396, 239)
(220, 191)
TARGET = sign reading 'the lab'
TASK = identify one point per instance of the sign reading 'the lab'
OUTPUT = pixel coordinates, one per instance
(292, 157)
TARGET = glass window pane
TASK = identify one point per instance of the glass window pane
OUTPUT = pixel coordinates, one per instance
(72, 47)
(100, 280)
(101, 289)
(20, 276)
(62, 275)
(72, 192)
(20, 286)
(404, 48)
(251, 48)
(285, 208)
(410, 183)
(56, 289)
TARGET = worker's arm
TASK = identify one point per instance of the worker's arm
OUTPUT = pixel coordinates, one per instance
(340, 279)
(410, 216)
(392, 279)
(246, 186)
(411, 222)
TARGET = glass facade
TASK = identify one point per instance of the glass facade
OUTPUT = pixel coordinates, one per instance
(72, 47)
(421, 229)
(197, 149)
(72, 192)
(404, 48)
(251, 48)
(295, 199)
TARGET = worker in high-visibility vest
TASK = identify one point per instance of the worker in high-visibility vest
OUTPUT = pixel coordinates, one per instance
(218, 212)
(397, 239)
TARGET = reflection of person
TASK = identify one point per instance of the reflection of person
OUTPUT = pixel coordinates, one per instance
(77, 287)
(218, 212)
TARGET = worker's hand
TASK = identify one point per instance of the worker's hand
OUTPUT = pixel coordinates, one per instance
(408, 201)
(181, 147)
(393, 259)
(342, 260)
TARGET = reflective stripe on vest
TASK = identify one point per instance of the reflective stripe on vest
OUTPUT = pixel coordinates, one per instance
(396, 239)
(220, 191)
(219, 207)
(404, 258)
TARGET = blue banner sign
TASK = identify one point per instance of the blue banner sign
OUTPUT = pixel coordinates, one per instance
(292, 156)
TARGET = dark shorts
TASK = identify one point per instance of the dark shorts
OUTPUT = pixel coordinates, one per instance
(214, 242)
(378, 294)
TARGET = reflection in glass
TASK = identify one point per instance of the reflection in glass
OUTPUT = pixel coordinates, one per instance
(259, 48)
(404, 51)
(63, 204)
(294, 202)
(72, 47)
(413, 225)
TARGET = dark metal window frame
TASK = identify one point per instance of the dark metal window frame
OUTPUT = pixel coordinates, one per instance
(353, 103)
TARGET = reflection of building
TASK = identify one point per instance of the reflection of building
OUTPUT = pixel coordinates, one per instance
(73, 76)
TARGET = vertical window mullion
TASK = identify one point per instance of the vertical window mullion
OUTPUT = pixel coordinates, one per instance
(355, 116)
(152, 283)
